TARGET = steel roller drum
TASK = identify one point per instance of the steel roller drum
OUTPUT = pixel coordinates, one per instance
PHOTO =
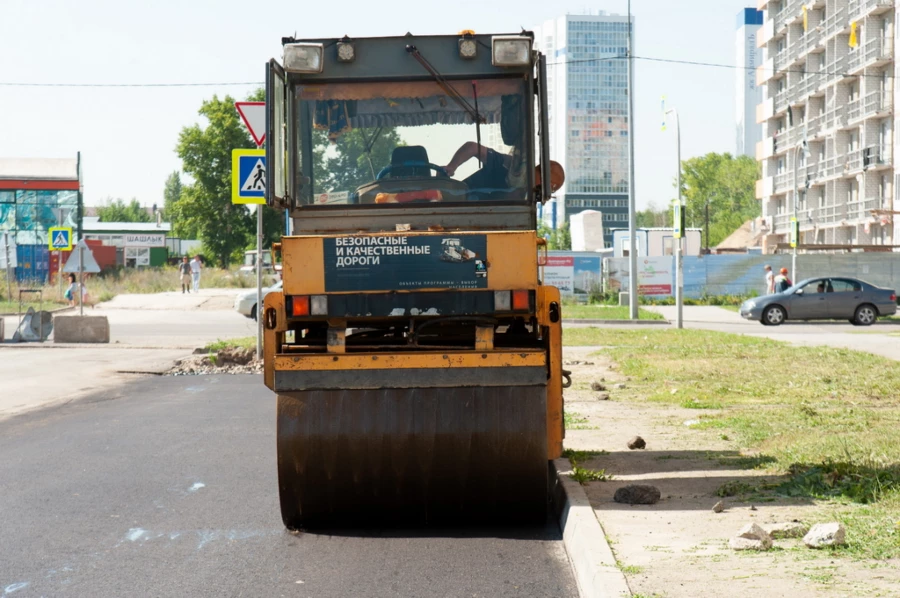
(412, 456)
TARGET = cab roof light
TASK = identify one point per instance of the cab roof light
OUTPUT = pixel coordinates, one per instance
(510, 50)
(303, 58)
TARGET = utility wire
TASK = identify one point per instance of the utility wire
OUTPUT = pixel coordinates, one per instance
(561, 62)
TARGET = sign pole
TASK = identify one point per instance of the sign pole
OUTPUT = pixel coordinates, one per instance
(8, 281)
(80, 280)
(59, 265)
(259, 297)
(679, 232)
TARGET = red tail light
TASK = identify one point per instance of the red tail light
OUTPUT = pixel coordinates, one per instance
(300, 305)
(894, 297)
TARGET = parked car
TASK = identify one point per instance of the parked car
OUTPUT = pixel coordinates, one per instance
(245, 303)
(829, 298)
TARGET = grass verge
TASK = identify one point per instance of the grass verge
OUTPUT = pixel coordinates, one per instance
(244, 342)
(605, 312)
(827, 420)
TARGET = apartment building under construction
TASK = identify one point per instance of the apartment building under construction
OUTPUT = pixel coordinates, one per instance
(828, 122)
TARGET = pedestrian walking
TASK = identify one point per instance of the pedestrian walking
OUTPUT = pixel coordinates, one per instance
(184, 272)
(770, 280)
(195, 272)
(782, 282)
(72, 291)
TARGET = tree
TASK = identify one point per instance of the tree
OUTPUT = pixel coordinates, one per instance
(727, 184)
(353, 165)
(205, 205)
(559, 239)
(116, 210)
(171, 197)
(653, 217)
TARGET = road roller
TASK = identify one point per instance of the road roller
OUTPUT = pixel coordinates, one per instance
(415, 352)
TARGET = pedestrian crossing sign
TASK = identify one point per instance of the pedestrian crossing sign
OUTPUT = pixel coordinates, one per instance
(248, 176)
(60, 238)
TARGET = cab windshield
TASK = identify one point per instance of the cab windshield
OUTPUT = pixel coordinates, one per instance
(413, 142)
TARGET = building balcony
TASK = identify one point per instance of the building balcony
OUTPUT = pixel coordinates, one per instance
(781, 222)
(765, 71)
(812, 38)
(875, 203)
(877, 103)
(878, 51)
(781, 98)
(765, 110)
(854, 210)
(766, 33)
(854, 110)
(782, 182)
(837, 68)
(835, 22)
(857, 9)
(814, 125)
(831, 214)
(875, 157)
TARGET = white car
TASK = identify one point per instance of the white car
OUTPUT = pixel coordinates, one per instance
(245, 303)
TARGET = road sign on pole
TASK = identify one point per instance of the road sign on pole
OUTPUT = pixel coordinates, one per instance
(254, 116)
(60, 238)
(795, 232)
(248, 176)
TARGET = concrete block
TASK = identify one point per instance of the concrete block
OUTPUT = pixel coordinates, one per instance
(80, 329)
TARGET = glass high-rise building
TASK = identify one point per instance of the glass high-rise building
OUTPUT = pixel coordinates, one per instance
(588, 78)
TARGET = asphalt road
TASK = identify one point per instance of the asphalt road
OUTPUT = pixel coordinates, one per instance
(167, 487)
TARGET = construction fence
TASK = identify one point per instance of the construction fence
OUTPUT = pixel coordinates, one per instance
(744, 274)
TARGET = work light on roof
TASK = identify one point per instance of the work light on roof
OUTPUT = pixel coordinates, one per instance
(511, 50)
(468, 47)
(345, 50)
(303, 58)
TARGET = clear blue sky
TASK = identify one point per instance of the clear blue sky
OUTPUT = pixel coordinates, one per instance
(127, 136)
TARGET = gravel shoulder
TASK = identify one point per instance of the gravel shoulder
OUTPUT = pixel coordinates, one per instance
(678, 547)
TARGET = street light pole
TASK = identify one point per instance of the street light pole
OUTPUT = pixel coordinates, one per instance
(632, 216)
(795, 223)
(679, 273)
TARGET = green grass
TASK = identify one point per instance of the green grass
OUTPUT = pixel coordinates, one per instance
(575, 421)
(245, 342)
(12, 307)
(826, 420)
(631, 569)
(605, 312)
(583, 475)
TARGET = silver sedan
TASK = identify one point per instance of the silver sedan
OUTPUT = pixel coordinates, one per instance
(245, 303)
(829, 298)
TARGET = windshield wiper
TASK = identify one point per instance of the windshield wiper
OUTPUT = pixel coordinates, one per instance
(445, 85)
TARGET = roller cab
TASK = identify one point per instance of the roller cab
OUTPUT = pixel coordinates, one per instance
(414, 351)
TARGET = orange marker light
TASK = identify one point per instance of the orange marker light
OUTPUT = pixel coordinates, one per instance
(520, 301)
(300, 305)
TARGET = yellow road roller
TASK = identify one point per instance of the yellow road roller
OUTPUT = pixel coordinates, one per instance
(414, 351)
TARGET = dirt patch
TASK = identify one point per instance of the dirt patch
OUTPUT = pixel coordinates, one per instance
(678, 547)
(225, 361)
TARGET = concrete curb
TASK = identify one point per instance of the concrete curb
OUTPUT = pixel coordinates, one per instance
(622, 322)
(596, 571)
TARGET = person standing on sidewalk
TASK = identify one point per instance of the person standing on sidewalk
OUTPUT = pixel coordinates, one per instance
(770, 280)
(195, 272)
(184, 271)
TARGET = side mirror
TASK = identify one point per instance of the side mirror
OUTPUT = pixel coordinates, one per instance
(798, 292)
